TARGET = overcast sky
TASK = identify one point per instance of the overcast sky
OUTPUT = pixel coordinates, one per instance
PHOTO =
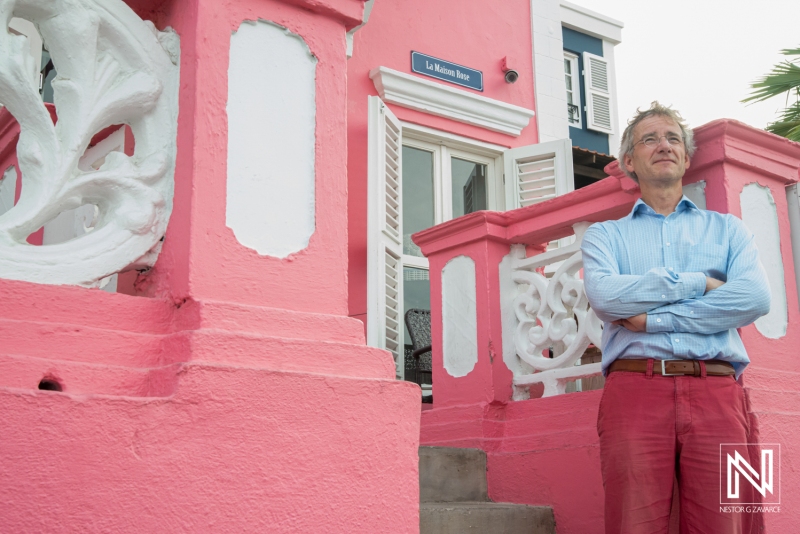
(699, 55)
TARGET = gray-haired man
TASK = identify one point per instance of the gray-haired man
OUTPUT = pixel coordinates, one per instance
(672, 283)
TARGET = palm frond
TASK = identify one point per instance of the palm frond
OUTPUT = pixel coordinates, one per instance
(791, 52)
(785, 77)
(788, 124)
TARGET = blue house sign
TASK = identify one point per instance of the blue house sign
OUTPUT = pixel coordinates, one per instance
(447, 71)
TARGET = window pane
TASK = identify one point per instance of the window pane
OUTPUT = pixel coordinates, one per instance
(417, 195)
(416, 293)
(469, 186)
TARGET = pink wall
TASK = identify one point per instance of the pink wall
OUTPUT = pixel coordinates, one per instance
(544, 451)
(473, 33)
(245, 450)
(239, 396)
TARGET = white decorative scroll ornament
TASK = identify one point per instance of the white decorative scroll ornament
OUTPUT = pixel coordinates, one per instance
(113, 68)
(554, 314)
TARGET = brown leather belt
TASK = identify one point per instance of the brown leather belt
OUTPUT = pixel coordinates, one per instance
(674, 367)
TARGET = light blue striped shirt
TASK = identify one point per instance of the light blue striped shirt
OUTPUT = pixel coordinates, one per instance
(646, 262)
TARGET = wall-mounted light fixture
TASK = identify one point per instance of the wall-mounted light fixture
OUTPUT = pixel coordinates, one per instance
(511, 74)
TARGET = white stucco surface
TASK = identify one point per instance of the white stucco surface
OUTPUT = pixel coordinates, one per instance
(8, 189)
(459, 316)
(548, 64)
(696, 192)
(271, 135)
(28, 29)
(761, 217)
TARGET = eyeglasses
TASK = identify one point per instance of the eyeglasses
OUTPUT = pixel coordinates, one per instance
(652, 141)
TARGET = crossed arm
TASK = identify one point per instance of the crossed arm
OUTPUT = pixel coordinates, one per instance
(664, 301)
(638, 323)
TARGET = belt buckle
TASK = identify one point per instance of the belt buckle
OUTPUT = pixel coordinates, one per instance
(664, 368)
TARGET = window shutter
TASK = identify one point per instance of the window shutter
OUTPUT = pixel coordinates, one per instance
(535, 173)
(598, 93)
(385, 233)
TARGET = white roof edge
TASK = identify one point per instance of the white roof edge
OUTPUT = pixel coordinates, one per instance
(590, 22)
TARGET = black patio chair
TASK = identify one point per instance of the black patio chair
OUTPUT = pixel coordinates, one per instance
(418, 361)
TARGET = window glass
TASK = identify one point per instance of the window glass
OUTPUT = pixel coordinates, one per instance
(469, 186)
(416, 293)
(417, 200)
(568, 76)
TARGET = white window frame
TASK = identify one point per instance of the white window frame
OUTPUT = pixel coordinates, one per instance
(443, 146)
(465, 148)
(575, 89)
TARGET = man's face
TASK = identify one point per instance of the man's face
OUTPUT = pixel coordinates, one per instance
(663, 164)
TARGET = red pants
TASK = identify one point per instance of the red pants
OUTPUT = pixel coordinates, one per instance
(653, 428)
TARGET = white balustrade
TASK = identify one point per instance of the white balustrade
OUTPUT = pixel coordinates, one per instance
(553, 314)
(113, 68)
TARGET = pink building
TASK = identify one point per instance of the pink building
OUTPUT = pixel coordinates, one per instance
(203, 310)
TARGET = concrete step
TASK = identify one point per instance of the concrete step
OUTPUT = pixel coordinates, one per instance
(485, 518)
(452, 475)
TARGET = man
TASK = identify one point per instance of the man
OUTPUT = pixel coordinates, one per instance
(671, 282)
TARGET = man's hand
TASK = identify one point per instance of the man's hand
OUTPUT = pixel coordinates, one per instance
(713, 283)
(637, 323)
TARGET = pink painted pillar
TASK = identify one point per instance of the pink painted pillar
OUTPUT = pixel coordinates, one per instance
(232, 394)
(732, 156)
(490, 379)
(738, 164)
(202, 258)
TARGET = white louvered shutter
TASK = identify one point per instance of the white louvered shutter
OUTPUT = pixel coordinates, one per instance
(535, 173)
(385, 233)
(598, 93)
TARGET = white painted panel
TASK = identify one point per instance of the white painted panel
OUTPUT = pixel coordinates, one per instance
(459, 316)
(696, 192)
(8, 189)
(761, 217)
(793, 202)
(271, 134)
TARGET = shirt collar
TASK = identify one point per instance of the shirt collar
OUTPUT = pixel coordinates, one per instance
(641, 207)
